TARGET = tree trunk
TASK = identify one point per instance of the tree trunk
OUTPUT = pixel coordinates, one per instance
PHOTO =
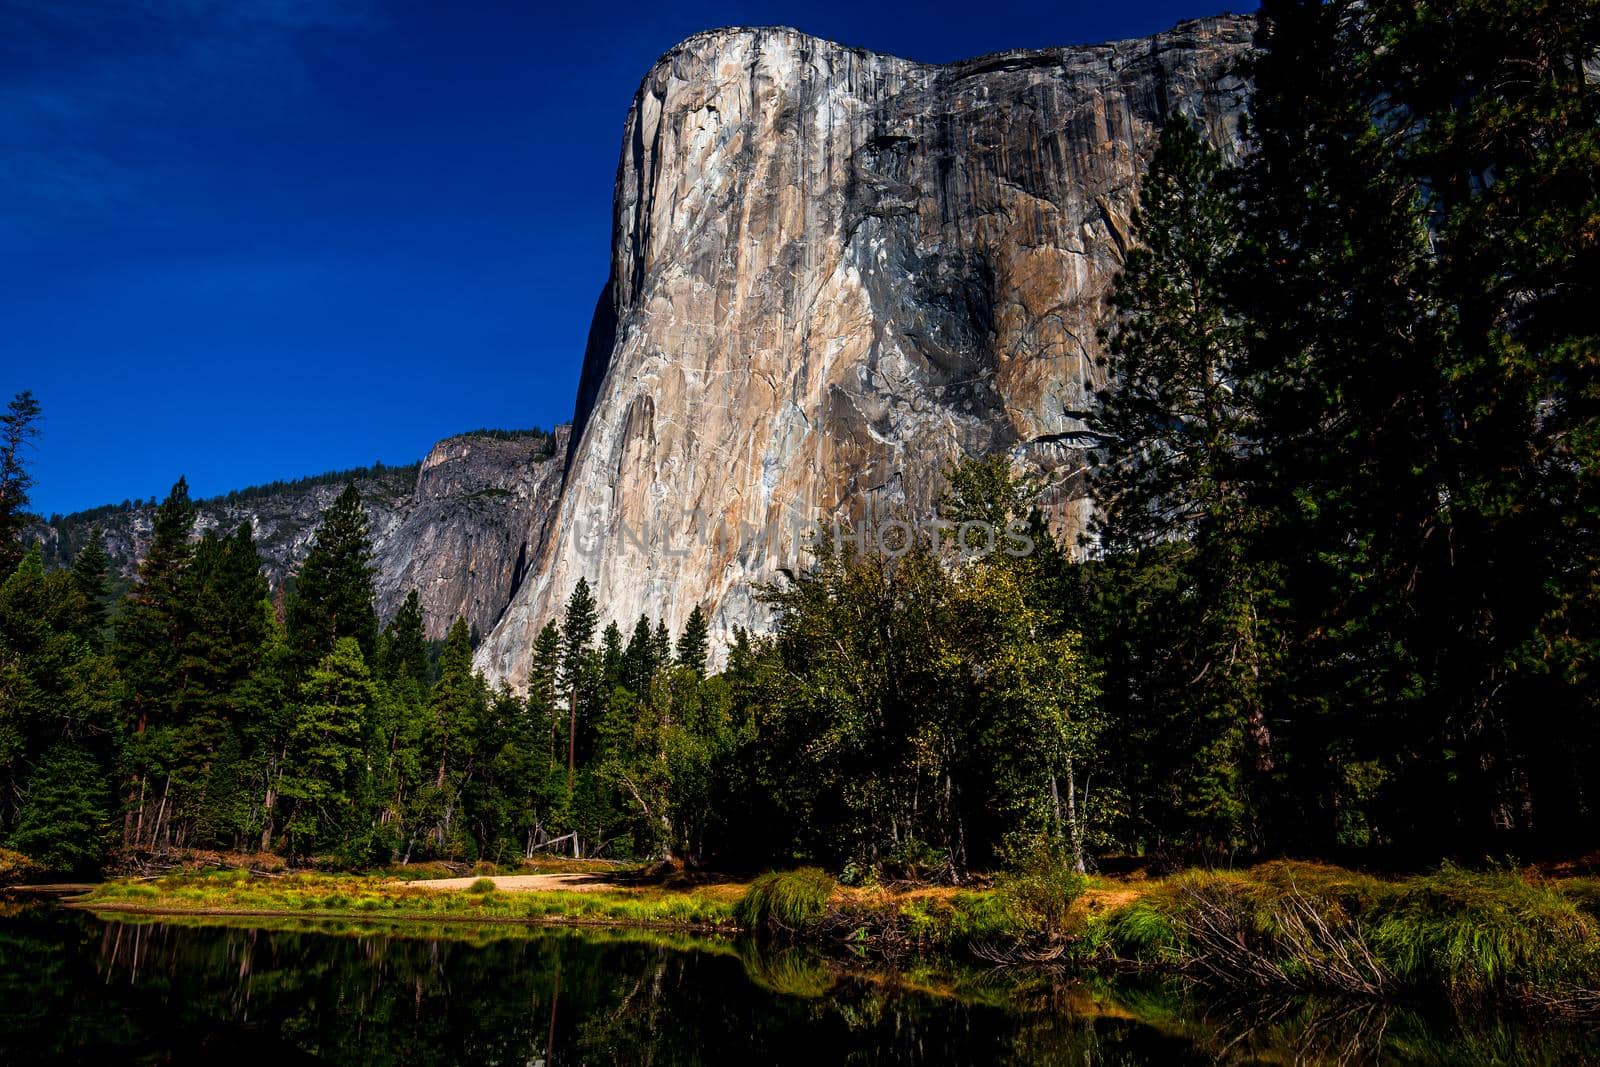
(1072, 821)
(572, 742)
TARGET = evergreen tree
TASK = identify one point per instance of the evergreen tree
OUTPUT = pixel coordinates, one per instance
(458, 707)
(64, 821)
(266, 712)
(611, 656)
(693, 643)
(1494, 122)
(333, 595)
(405, 646)
(544, 682)
(638, 659)
(91, 571)
(321, 777)
(51, 688)
(577, 637)
(224, 633)
(661, 646)
(19, 427)
(1357, 488)
(151, 628)
(577, 633)
(1171, 484)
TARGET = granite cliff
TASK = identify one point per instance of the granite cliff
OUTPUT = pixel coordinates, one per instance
(834, 271)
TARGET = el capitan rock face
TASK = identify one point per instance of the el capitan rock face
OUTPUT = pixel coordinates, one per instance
(833, 272)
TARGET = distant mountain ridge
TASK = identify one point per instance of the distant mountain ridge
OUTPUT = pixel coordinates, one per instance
(458, 525)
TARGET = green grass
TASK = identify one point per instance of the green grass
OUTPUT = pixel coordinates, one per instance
(358, 896)
(790, 900)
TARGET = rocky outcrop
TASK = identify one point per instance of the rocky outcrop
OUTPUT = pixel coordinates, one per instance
(832, 272)
(460, 527)
(477, 516)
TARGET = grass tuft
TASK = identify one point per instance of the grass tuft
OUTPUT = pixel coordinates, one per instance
(790, 901)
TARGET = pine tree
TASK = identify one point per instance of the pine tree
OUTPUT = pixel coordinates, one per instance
(19, 427)
(577, 637)
(65, 821)
(1356, 490)
(266, 713)
(661, 646)
(638, 659)
(693, 643)
(152, 628)
(544, 682)
(405, 646)
(224, 633)
(325, 745)
(50, 686)
(1173, 419)
(611, 656)
(333, 595)
(458, 707)
(1171, 485)
(91, 571)
(577, 633)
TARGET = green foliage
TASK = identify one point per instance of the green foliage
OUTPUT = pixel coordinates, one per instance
(482, 885)
(19, 428)
(789, 900)
(1180, 603)
(91, 574)
(1042, 891)
(1482, 934)
(333, 591)
(913, 714)
(577, 634)
(325, 748)
(405, 644)
(1340, 596)
(64, 822)
(152, 627)
(693, 642)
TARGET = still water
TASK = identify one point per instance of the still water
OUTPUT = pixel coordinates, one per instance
(74, 987)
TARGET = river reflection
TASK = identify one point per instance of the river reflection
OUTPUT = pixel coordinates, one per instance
(73, 987)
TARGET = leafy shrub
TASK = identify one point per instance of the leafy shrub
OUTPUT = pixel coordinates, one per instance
(15, 867)
(482, 885)
(1042, 891)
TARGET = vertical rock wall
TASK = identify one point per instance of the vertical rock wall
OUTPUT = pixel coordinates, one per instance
(833, 272)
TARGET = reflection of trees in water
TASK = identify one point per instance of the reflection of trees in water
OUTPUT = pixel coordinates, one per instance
(72, 986)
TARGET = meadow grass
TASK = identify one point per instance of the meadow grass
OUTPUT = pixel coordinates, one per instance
(1468, 936)
(356, 895)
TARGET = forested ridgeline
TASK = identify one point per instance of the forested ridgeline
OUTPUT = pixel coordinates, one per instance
(1342, 598)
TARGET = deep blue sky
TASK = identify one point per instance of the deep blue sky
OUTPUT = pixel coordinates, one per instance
(254, 239)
